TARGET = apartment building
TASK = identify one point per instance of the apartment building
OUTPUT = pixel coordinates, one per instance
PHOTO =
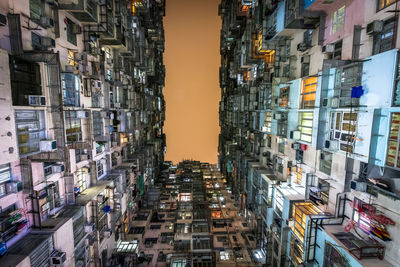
(309, 127)
(82, 113)
(190, 219)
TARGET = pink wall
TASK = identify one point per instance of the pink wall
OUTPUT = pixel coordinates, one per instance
(354, 15)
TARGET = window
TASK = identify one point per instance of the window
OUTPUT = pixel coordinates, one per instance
(30, 126)
(179, 263)
(284, 96)
(72, 61)
(224, 255)
(267, 122)
(281, 147)
(109, 74)
(25, 81)
(298, 177)
(5, 177)
(36, 9)
(337, 52)
(99, 168)
(300, 212)
(296, 251)
(308, 93)
(346, 78)
(70, 86)
(73, 128)
(97, 94)
(338, 19)
(392, 158)
(81, 181)
(184, 197)
(325, 162)
(278, 203)
(100, 147)
(343, 129)
(305, 65)
(97, 124)
(71, 36)
(305, 126)
(282, 124)
(384, 3)
(385, 40)
(324, 187)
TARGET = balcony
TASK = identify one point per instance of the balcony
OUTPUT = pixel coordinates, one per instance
(85, 11)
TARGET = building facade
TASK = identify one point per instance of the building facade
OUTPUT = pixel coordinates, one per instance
(82, 113)
(309, 127)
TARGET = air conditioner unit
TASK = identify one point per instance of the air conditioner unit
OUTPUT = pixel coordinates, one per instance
(358, 186)
(334, 102)
(48, 42)
(82, 114)
(296, 146)
(305, 59)
(332, 144)
(57, 259)
(13, 186)
(90, 227)
(3, 20)
(329, 48)
(46, 22)
(76, 29)
(375, 27)
(104, 115)
(96, 85)
(291, 223)
(58, 168)
(85, 156)
(48, 145)
(277, 116)
(117, 105)
(302, 47)
(37, 100)
(295, 135)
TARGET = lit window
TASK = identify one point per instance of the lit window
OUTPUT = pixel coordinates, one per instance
(338, 19)
(71, 58)
(267, 122)
(73, 128)
(284, 96)
(308, 93)
(393, 144)
(305, 126)
(185, 197)
(385, 3)
(224, 255)
(298, 175)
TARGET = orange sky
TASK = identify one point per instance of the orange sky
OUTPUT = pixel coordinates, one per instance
(192, 91)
